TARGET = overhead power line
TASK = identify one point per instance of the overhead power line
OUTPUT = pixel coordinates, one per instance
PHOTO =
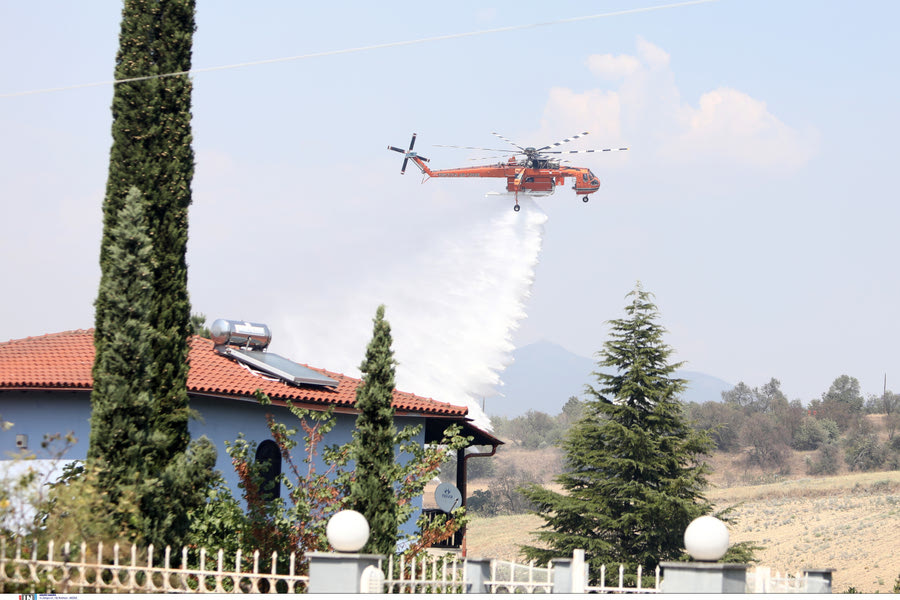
(437, 38)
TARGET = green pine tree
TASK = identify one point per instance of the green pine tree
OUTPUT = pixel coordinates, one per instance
(139, 433)
(634, 475)
(372, 490)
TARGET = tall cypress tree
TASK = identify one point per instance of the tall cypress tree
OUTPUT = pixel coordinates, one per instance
(372, 490)
(151, 152)
(634, 475)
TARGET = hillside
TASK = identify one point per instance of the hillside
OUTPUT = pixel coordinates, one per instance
(544, 375)
(848, 522)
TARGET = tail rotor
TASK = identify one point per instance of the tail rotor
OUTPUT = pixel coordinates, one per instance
(407, 154)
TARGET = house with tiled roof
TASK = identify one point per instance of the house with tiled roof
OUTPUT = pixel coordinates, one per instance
(45, 387)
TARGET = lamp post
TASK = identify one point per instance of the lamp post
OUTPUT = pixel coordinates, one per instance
(706, 540)
(345, 571)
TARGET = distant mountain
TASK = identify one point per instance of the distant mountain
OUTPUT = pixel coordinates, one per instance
(545, 375)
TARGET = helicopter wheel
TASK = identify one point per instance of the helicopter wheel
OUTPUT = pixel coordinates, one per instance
(585, 199)
(516, 208)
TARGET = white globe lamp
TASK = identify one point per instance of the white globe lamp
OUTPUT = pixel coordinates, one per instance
(347, 531)
(706, 539)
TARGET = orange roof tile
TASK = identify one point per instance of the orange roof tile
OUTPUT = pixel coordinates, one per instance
(64, 360)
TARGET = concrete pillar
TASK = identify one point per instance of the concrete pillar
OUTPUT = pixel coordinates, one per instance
(818, 580)
(477, 573)
(569, 574)
(338, 572)
(562, 575)
(703, 578)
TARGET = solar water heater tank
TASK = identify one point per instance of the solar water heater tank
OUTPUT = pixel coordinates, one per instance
(225, 332)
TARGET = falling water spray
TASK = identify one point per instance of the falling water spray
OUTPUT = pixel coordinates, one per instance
(453, 308)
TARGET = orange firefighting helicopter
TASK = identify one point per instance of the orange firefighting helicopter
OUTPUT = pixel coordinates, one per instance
(535, 175)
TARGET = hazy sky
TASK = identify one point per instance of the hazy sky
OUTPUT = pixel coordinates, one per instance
(756, 202)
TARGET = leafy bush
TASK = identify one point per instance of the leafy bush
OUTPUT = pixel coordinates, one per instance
(765, 443)
(826, 462)
(297, 523)
(815, 432)
(863, 452)
(504, 496)
(721, 421)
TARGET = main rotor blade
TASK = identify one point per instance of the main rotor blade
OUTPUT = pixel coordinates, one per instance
(412, 142)
(403, 168)
(583, 151)
(508, 141)
(507, 151)
(565, 141)
(395, 149)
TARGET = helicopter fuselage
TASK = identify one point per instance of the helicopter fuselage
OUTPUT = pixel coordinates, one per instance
(522, 178)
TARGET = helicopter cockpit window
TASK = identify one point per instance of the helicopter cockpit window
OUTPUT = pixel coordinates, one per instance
(584, 176)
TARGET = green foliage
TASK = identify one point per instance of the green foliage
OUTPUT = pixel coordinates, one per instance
(634, 471)
(140, 452)
(845, 390)
(863, 451)
(297, 523)
(482, 467)
(720, 421)
(219, 522)
(504, 496)
(198, 325)
(814, 433)
(827, 460)
(842, 403)
(24, 488)
(536, 429)
(151, 151)
(766, 442)
(372, 490)
(79, 509)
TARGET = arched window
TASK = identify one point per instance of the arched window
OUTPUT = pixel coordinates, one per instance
(268, 456)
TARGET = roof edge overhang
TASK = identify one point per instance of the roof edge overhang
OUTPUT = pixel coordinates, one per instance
(436, 424)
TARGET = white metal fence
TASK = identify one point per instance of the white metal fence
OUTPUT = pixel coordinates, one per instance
(516, 578)
(82, 570)
(762, 580)
(67, 569)
(451, 574)
(428, 573)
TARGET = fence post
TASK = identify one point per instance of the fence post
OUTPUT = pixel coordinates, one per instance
(569, 575)
(338, 573)
(818, 580)
(562, 575)
(476, 575)
(703, 578)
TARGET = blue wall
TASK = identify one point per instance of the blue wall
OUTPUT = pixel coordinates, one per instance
(44, 412)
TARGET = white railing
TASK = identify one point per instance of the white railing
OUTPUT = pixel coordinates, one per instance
(619, 587)
(80, 571)
(67, 569)
(762, 580)
(427, 573)
(516, 578)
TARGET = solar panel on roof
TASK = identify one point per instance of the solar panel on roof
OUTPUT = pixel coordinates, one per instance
(279, 366)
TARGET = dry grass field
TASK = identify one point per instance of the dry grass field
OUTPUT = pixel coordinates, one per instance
(850, 522)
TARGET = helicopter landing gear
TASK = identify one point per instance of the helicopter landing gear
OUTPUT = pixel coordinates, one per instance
(516, 208)
(585, 199)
